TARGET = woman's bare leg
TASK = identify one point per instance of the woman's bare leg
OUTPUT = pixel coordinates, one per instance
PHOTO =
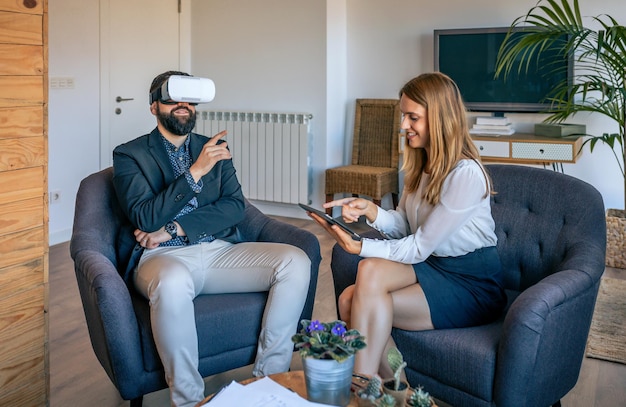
(384, 370)
(344, 304)
(386, 294)
(345, 308)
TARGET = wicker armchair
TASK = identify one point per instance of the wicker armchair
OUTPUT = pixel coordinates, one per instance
(374, 168)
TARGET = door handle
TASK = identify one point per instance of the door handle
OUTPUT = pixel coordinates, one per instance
(121, 99)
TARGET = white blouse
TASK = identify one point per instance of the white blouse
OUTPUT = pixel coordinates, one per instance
(459, 224)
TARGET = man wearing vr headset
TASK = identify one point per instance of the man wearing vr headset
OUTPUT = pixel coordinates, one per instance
(183, 202)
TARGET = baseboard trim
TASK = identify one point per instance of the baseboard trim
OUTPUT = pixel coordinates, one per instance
(60, 236)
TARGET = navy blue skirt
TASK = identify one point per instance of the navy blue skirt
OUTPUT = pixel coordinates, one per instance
(463, 291)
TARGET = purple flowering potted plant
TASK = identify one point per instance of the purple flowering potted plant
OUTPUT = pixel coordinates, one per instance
(327, 351)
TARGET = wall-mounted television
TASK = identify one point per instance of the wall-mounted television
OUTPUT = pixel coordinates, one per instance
(468, 56)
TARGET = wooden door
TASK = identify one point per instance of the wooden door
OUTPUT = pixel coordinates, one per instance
(23, 203)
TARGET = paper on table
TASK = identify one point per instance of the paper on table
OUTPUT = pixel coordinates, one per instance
(261, 393)
(228, 395)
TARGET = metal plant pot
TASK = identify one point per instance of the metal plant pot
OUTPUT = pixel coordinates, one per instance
(328, 381)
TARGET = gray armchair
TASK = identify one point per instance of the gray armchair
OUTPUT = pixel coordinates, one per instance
(118, 317)
(551, 239)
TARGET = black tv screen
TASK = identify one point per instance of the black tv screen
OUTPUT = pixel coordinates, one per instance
(469, 56)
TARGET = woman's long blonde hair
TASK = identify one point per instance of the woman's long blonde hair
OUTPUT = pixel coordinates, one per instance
(450, 140)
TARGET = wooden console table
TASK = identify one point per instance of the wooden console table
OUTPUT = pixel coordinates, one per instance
(528, 149)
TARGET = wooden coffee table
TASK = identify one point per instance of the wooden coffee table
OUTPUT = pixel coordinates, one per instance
(292, 380)
(295, 381)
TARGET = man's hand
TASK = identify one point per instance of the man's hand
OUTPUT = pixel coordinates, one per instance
(211, 154)
(153, 239)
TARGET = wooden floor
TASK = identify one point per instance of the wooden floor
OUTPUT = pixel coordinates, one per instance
(78, 380)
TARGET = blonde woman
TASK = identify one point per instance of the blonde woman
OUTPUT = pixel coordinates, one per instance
(440, 267)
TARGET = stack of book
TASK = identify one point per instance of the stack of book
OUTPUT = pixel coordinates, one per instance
(492, 126)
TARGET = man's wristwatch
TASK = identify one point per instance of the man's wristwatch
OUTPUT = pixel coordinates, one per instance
(170, 227)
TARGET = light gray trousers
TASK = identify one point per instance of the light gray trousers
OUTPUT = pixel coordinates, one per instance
(171, 277)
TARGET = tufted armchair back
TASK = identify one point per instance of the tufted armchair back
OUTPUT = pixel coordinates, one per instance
(541, 216)
(99, 206)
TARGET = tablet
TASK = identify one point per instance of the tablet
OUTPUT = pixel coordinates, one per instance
(331, 220)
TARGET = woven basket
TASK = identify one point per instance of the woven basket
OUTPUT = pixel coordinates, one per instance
(616, 238)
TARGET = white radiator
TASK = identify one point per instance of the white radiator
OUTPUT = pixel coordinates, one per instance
(270, 152)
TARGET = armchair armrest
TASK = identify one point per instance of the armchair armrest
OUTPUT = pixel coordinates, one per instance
(281, 232)
(546, 329)
(112, 324)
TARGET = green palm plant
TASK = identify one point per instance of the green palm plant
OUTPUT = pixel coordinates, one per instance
(598, 84)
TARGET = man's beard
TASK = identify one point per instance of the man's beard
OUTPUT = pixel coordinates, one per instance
(177, 125)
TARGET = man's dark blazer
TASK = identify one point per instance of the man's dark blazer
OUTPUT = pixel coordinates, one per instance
(150, 196)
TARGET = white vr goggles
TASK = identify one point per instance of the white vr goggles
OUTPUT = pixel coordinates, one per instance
(180, 88)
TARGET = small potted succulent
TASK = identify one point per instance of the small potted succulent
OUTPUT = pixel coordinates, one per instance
(327, 351)
(387, 400)
(396, 386)
(371, 394)
(421, 398)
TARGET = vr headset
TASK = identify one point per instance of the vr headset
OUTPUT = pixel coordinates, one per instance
(180, 88)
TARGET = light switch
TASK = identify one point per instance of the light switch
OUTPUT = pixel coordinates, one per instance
(59, 82)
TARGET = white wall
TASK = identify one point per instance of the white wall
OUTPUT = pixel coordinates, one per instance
(267, 56)
(288, 55)
(336, 84)
(73, 114)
